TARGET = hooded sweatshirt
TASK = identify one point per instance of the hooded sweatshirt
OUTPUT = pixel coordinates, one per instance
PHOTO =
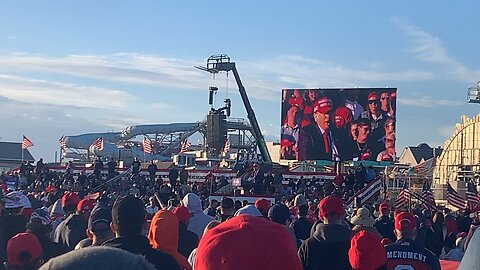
(163, 235)
(327, 249)
(199, 220)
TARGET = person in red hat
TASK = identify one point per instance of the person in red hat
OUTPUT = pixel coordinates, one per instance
(187, 240)
(24, 252)
(384, 223)
(406, 253)
(328, 247)
(247, 242)
(367, 252)
(263, 205)
(73, 229)
(316, 141)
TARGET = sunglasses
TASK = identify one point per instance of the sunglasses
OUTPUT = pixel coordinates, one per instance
(372, 102)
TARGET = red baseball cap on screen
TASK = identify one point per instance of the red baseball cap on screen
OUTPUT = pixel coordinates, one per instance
(331, 205)
(405, 222)
(372, 96)
(70, 198)
(322, 105)
(86, 205)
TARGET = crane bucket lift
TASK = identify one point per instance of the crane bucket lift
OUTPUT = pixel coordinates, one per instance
(221, 62)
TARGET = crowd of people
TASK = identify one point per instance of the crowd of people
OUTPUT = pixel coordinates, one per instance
(52, 220)
(333, 125)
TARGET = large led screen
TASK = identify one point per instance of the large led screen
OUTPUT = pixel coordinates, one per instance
(338, 124)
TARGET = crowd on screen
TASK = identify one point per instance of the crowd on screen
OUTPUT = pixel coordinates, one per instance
(52, 220)
(338, 125)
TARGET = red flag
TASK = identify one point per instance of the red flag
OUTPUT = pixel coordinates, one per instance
(26, 143)
(63, 143)
(226, 148)
(185, 145)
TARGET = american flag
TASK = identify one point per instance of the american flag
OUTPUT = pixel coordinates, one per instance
(472, 196)
(427, 195)
(454, 198)
(226, 148)
(63, 143)
(403, 197)
(367, 193)
(98, 144)
(26, 143)
(147, 145)
(185, 145)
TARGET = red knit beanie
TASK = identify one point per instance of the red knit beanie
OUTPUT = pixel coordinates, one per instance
(247, 242)
(366, 251)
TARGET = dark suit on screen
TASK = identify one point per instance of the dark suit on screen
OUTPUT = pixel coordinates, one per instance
(311, 144)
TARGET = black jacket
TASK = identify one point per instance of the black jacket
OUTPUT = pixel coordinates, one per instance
(311, 145)
(70, 231)
(385, 227)
(327, 249)
(50, 249)
(301, 227)
(187, 240)
(139, 244)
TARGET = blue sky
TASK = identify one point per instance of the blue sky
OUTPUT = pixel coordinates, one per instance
(93, 66)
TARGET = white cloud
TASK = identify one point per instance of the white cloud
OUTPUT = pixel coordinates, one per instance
(429, 48)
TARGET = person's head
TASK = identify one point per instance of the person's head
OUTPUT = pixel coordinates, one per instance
(390, 141)
(438, 217)
(128, 216)
(293, 116)
(221, 247)
(385, 101)
(366, 252)
(353, 130)
(280, 214)
(373, 103)
(212, 224)
(24, 252)
(312, 95)
(263, 205)
(249, 210)
(173, 202)
(302, 210)
(331, 210)
(105, 258)
(244, 203)
(69, 202)
(99, 229)
(213, 203)
(40, 222)
(227, 207)
(389, 125)
(362, 217)
(84, 207)
(363, 129)
(405, 226)
(163, 232)
(322, 111)
(384, 209)
(182, 214)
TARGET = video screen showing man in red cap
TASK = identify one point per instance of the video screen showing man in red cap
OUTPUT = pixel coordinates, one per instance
(406, 253)
(329, 129)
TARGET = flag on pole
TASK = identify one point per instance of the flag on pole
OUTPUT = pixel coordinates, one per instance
(26, 143)
(454, 198)
(367, 193)
(403, 197)
(98, 144)
(427, 195)
(226, 147)
(185, 145)
(472, 196)
(63, 143)
(147, 145)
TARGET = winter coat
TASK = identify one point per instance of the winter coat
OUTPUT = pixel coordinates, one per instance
(70, 231)
(385, 227)
(327, 249)
(199, 220)
(187, 240)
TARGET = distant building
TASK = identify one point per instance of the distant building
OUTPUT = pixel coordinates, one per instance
(11, 156)
(414, 155)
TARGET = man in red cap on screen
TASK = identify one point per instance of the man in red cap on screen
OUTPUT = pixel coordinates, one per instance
(406, 254)
(315, 141)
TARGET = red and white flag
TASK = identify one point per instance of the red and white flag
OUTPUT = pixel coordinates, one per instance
(185, 145)
(147, 145)
(26, 143)
(98, 144)
(63, 143)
